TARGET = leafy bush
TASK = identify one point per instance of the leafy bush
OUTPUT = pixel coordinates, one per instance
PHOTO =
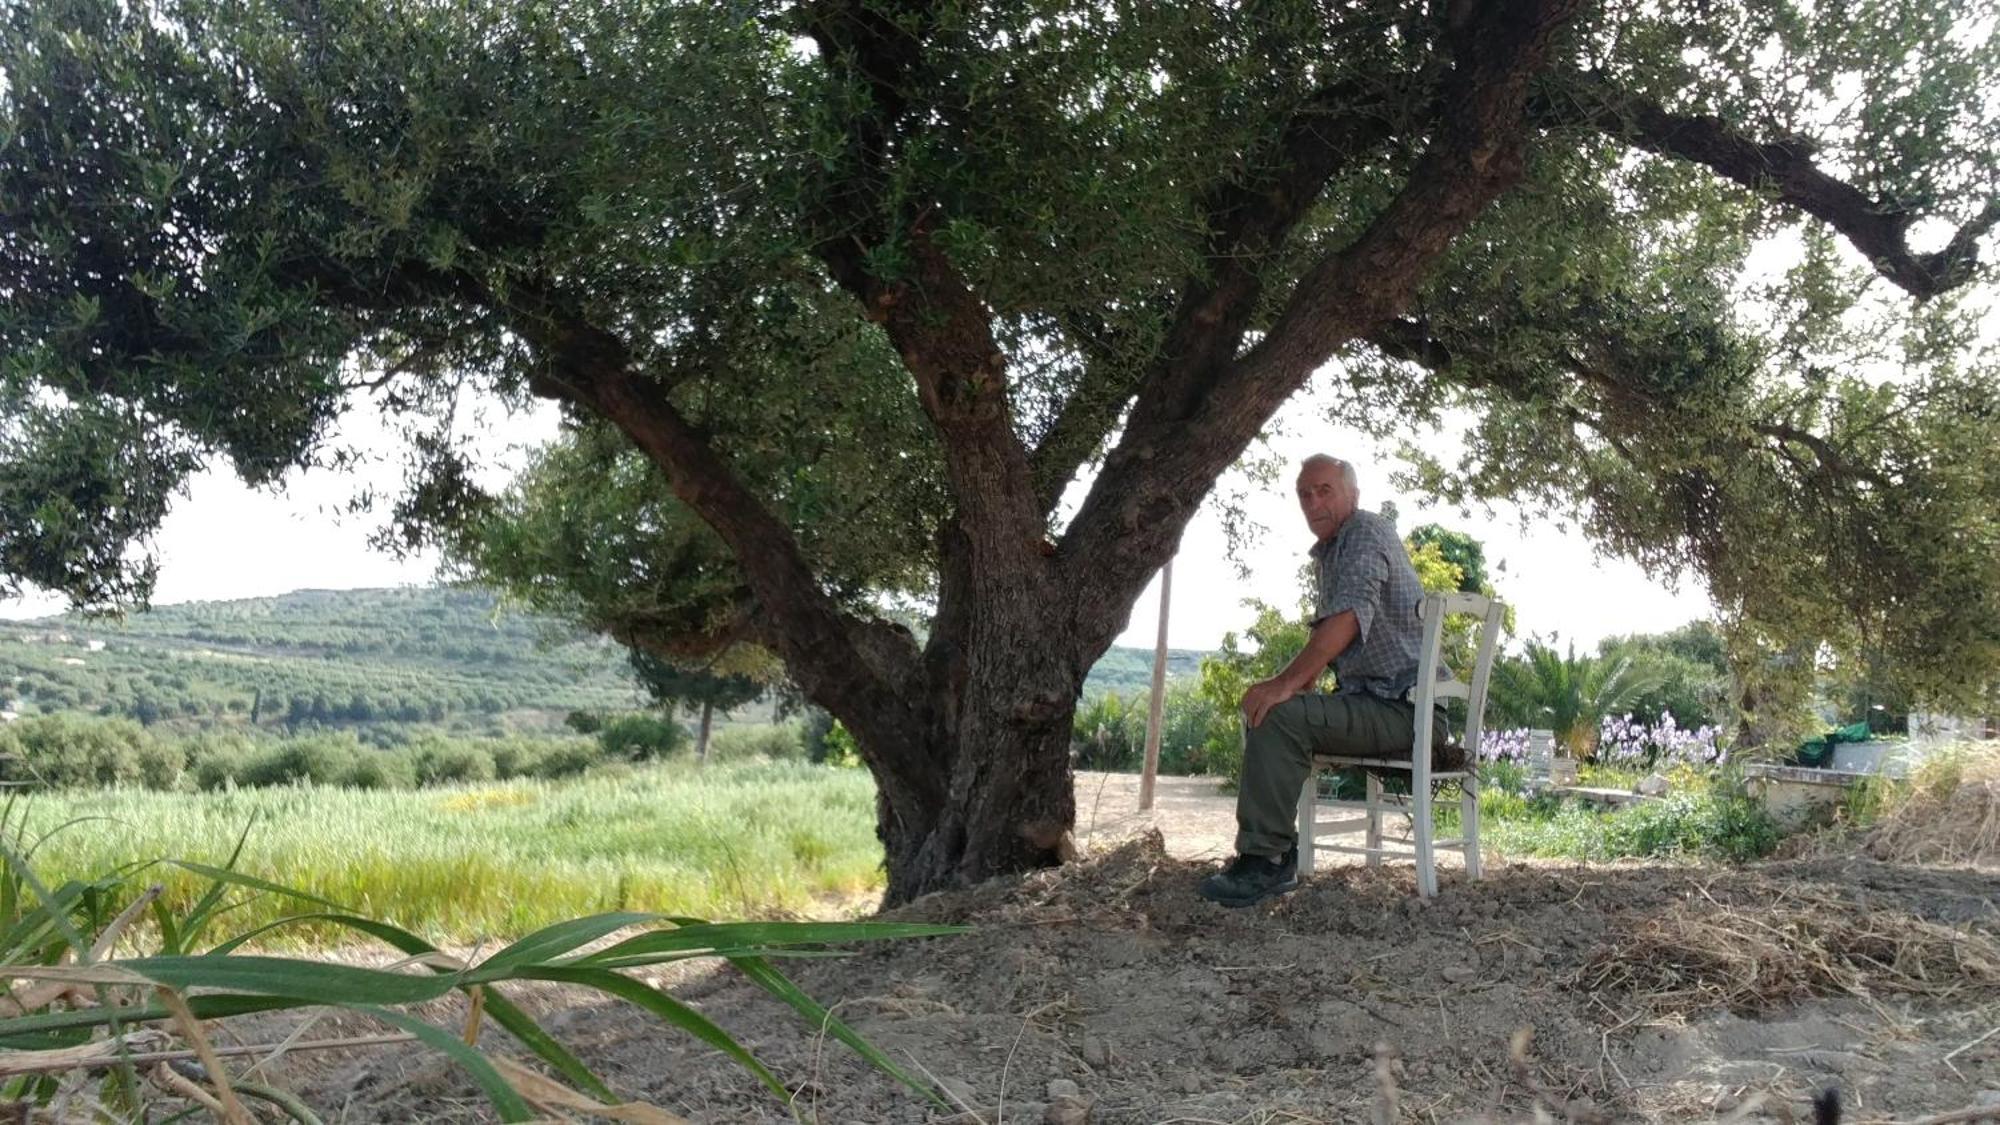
(321, 759)
(842, 751)
(382, 769)
(1109, 733)
(219, 761)
(1714, 825)
(641, 738)
(63, 751)
(777, 742)
(1720, 823)
(437, 761)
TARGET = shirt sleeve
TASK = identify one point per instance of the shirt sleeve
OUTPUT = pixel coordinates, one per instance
(1360, 573)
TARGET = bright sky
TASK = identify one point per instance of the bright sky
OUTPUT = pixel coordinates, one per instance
(227, 541)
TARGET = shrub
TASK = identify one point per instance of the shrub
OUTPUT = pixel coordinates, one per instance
(322, 759)
(219, 762)
(570, 757)
(1197, 736)
(382, 769)
(813, 732)
(162, 764)
(639, 738)
(1717, 824)
(63, 751)
(439, 761)
(842, 752)
(1109, 733)
(777, 742)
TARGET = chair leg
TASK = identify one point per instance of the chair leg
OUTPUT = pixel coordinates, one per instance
(1308, 821)
(1468, 816)
(1374, 819)
(1423, 817)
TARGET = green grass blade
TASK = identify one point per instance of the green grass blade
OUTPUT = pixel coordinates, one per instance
(665, 1008)
(58, 915)
(197, 919)
(781, 986)
(522, 1026)
(225, 875)
(395, 936)
(170, 931)
(72, 822)
(551, 942)
(25, 1028)
(727, 938)
(31, 932)
(505, 1099)
(290, 978)
(644, 960)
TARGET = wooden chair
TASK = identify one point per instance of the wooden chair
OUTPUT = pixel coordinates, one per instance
(1424, 781)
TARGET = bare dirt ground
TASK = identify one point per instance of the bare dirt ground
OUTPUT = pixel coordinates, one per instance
(1108, 992)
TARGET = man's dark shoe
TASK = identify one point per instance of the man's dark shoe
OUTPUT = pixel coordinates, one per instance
(1250, 879)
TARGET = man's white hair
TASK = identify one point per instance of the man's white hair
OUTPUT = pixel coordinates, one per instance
(1345, 468)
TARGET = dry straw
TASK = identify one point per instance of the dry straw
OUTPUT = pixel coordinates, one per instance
(1707, 955)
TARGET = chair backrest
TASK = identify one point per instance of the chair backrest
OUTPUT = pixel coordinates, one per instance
(1430, 688)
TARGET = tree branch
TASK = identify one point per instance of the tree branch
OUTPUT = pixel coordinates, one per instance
(1411, 340)
(1877, 228)
(1186, 430)
(869, 668)
(1248, 220)
(939, 326)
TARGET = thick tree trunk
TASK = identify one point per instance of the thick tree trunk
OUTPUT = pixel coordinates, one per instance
(701, 739)
(982, 785)
(1009, 809)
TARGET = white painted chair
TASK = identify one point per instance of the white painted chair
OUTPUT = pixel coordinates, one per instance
(1417, 804)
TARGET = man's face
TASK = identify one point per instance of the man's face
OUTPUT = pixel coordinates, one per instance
(1324, 498)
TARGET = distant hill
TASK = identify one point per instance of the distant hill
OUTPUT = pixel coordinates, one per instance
(431, 655)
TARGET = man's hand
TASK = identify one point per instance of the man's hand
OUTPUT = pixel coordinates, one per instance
(1262, 696)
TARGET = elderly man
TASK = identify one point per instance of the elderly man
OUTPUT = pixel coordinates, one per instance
(1365, 625)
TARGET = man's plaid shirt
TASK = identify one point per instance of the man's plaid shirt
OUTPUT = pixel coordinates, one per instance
(1365, 568)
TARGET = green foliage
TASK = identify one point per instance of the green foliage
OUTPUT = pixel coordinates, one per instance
(1686, 673)
(694, 687)
(1456, 548)
(839, 748)
(439, 761)
(60, 751)
(1710, 824)
(1109, 733)
(641, 738)
(1565, 693)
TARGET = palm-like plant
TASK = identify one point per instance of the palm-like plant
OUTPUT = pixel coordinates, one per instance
(1564, 692)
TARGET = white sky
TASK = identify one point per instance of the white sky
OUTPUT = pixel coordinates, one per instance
(227, 541)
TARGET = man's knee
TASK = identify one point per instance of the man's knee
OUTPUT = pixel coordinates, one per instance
(1282, 729)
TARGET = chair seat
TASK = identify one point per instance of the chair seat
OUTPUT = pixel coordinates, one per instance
(1443, 755)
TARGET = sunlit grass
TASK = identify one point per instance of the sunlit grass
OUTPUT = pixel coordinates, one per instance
(491, 860)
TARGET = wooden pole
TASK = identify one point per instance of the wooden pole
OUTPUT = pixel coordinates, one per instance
(1158, 708)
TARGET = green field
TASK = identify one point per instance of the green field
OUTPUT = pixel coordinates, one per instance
(476, 862)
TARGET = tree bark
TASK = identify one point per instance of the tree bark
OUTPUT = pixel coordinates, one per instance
(701, 739)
